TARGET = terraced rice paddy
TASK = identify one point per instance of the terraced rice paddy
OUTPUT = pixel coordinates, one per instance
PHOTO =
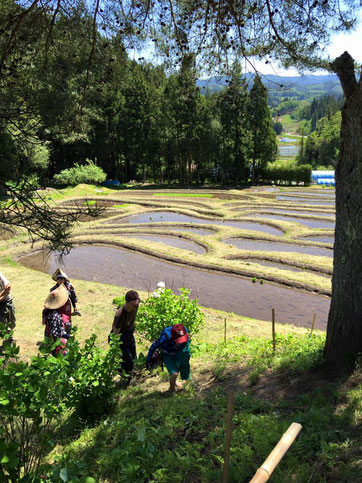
(245, 244)
(305, 201)
(225, 292)
(304, 221)
(218, 246)
(164, 216)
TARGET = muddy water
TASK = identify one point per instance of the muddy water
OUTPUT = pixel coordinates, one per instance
(302, 221)
(305, 201)
(245, 244)
(309, 193)
(307, 213)
(170, 240)
(321, 239)
(223, 292)
(290, 268)
(167, 216)
(197, 231)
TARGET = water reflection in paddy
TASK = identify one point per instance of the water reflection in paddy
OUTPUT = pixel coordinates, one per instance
(331, 194)
(290, 268)
(170, 240)
(166, 216)
(220, 291)
(305, 201)
(307, 213)
(302, 221)
(246, 244)
(321, 239)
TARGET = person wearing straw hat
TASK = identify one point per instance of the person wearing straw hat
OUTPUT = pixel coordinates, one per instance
(52, 318)
(66, 311)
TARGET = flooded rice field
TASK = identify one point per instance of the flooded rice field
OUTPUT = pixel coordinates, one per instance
(168, 216)
(317, 238)
(172, 241)
(290, 268)
(220, 291)
(306, 213)
(245, 244)
(305, 201)
(303, 221)
(330, 194)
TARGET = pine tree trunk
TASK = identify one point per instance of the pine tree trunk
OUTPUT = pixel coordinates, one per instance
(344, 332)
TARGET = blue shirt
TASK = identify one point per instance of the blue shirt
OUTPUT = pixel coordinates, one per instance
(166, 344)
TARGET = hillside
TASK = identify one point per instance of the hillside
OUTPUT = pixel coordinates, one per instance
(281, 87)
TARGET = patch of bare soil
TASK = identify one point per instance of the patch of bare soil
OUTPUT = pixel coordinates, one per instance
(272, 386)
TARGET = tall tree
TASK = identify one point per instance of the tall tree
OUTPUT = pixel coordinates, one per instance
(264, 146)
(344, 331)
(235, 148)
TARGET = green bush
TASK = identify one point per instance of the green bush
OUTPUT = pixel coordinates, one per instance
(91, 382)
(288, 174)
(86, 173)
(156, 313)
(35, 395)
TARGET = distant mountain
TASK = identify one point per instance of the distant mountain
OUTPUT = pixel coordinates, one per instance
(282, 87)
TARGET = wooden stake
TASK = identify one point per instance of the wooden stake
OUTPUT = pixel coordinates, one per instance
(229, 422)
(313, 323)
(273, 328)
(264, 472)
(224, 330)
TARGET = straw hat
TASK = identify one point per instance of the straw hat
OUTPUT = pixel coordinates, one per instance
(57, 298)
(59, 272)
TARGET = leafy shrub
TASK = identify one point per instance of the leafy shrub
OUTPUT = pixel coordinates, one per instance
(35, 394)
(31, 401)
(91, 376)
(156, 313)
(288, 174)
(86, 173)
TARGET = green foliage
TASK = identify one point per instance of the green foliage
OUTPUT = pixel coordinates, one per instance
(288, 174)
(31, 400)
(278, 127)
(194, 428)
(35, 395)
(264, 147)
(87, 173)
(91, 385)
(323, 144)
(157, 313)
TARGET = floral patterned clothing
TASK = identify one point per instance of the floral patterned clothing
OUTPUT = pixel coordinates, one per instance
(55, 328)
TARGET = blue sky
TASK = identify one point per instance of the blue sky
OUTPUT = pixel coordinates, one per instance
(351, 41)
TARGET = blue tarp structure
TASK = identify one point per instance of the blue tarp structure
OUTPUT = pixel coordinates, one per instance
(323, 177)
(111, 182)
(327, 181)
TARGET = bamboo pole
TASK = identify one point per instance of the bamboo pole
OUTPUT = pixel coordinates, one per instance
(313, 323)
(273, 328)
(225, 330)
(266, 469)
(229, 421)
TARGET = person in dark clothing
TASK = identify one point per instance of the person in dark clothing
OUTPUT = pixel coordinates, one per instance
(124, 324)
